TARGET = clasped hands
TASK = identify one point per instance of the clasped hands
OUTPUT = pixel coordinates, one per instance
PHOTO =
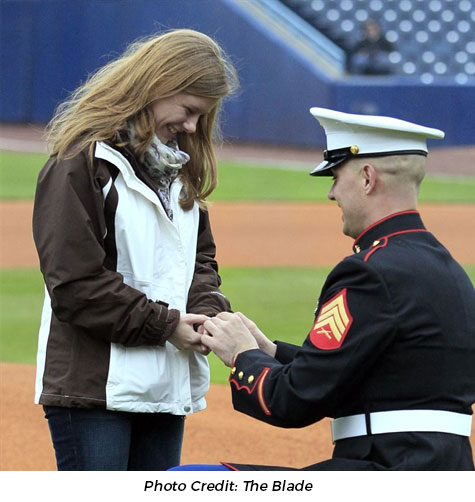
(226, 335)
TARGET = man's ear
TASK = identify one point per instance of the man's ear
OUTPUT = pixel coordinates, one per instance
(369, 177)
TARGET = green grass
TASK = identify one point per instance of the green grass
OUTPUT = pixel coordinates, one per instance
(240, 182)
(262, 294)
(21, 300)
(284, 314)
(18, 174)
(280, 300)
(445, 189)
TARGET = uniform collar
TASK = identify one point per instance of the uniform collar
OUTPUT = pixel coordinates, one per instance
(394, 223)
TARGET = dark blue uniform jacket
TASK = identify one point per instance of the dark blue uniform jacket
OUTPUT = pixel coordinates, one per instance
(394, 330)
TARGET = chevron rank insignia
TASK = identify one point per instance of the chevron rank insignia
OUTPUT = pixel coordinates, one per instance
(332, 324)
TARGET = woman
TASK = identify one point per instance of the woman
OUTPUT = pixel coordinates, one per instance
(127, 254)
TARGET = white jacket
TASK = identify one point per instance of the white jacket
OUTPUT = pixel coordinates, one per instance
(153, 259)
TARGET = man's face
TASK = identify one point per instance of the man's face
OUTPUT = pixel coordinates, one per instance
(348, 191)
(179, 114)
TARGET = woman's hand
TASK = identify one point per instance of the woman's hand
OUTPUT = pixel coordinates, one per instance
(185, 337)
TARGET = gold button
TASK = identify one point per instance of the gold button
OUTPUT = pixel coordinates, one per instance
(354, 149)
(357, 249)
(240, 375)
(250, 379)
(233, 370)
(375, 243)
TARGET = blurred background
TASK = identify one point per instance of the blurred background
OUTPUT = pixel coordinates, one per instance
(290, 54)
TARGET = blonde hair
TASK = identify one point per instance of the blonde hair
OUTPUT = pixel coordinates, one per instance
(123, 90)
(402, 170)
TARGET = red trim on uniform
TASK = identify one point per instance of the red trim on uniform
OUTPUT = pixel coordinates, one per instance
(229, 466)
(260, 392)
(405, 232)
(383, 245)
(411, 211)
(387, 237)
(250, 390)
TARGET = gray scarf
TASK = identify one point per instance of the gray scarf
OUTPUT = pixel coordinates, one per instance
(162, 163)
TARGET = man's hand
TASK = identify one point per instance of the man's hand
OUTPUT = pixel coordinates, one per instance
(263, 342)
(228, 337)
(185, 337)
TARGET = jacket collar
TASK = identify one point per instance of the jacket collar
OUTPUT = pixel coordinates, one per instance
(405, 221)
(116, 157)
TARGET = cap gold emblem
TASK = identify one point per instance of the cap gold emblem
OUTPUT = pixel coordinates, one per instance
(354, 149)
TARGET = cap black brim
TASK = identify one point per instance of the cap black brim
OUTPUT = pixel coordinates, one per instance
(325, 167)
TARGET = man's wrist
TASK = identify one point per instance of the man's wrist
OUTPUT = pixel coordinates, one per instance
(269, 348)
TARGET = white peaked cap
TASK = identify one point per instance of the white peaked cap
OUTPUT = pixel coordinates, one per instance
(349, 135)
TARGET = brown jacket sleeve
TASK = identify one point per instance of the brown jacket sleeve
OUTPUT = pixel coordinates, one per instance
(205, 296)
(69, 230)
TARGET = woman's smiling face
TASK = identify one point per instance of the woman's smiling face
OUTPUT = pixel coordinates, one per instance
(179, 114)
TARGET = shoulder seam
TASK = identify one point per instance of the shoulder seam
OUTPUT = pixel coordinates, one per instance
(384, 240)
(383, 243)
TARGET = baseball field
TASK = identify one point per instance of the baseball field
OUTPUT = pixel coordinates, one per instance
(277, 238)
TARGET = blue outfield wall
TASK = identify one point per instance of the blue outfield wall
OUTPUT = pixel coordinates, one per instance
(443, 106)
(50, 46)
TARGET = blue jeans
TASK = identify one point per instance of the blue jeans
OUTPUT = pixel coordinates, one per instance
(102, 440)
